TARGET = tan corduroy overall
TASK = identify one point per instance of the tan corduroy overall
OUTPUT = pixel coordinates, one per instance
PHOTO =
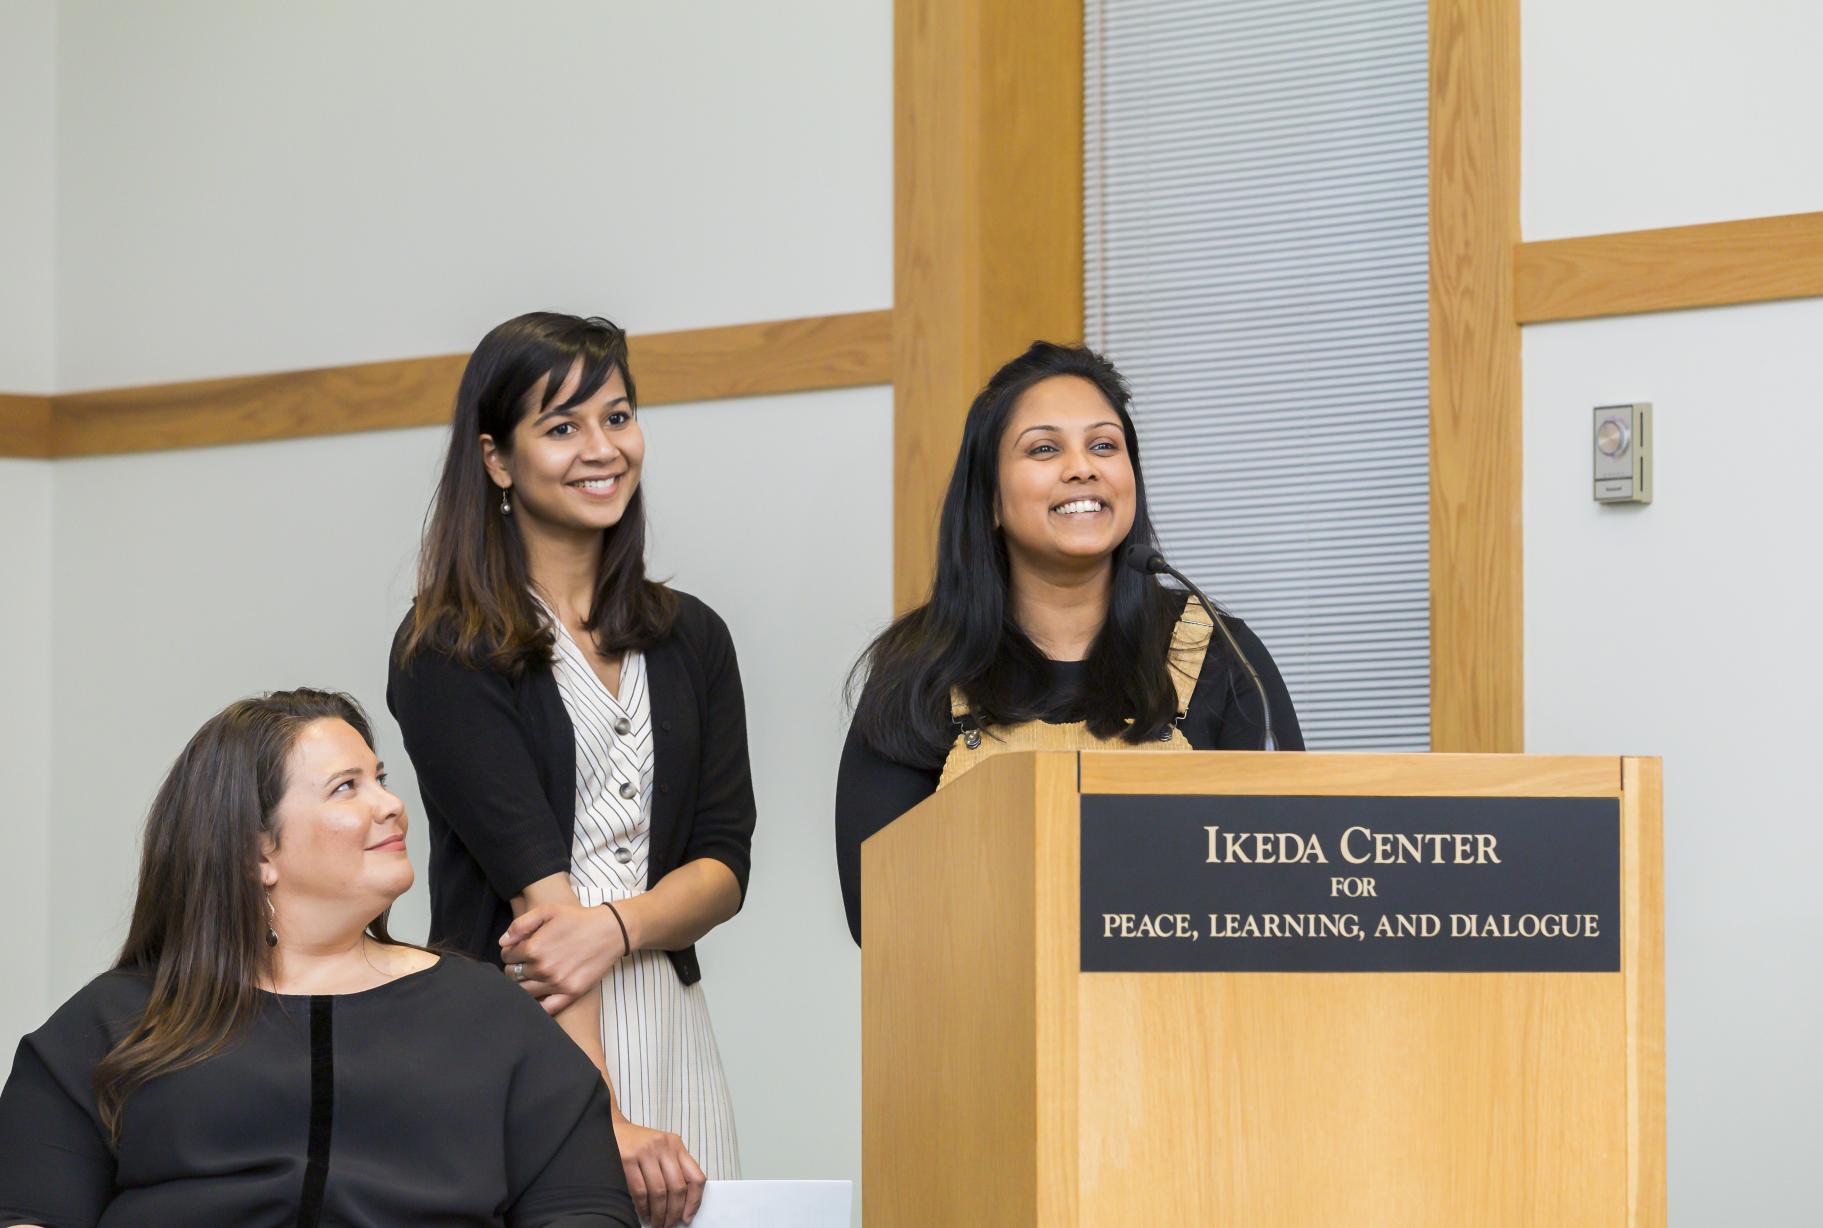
(1189, 644)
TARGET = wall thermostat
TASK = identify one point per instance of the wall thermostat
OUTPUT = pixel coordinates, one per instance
(1623, 453)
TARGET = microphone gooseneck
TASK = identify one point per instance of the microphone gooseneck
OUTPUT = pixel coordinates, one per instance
(1144, 559)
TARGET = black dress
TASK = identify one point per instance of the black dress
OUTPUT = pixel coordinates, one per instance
(1224, 714)
(445, 1097)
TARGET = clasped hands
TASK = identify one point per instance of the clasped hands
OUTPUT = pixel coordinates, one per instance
(558, 952)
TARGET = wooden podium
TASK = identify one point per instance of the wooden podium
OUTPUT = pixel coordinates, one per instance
(1002, 1085)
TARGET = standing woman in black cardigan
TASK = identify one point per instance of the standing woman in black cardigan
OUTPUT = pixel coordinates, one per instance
(580, 740)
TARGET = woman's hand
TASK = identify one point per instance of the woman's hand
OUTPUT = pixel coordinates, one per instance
(565, 949)
(666, 1184)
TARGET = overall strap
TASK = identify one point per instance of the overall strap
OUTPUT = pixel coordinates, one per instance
(963, 719)
(1189, 645)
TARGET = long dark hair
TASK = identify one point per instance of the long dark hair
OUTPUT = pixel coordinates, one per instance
(199, 921)
(475, 600)
(965, 634)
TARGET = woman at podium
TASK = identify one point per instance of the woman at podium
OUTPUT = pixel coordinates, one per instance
(1037, 634)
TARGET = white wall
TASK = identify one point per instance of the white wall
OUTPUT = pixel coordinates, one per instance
(25, 743)
(27, 357)
(258, 187)
(28, 42)
(778, 512)
(1688, 628)
(185, 580)
(252, 188)
(1647, 113)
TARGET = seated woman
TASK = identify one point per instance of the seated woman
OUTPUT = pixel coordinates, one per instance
(263, 1054)
(1036, 636)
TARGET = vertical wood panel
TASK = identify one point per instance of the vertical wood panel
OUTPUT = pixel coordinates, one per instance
(1477, 572)
(987, 226)
(949, 1075)
(1643, 958)
(1057, 954)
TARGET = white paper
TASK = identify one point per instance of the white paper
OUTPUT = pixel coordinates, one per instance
(776, 1204)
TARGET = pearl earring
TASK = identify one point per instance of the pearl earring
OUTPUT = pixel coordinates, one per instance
(272, 934)
(506, 508)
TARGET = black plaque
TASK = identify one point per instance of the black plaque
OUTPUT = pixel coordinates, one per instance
(1442, 884)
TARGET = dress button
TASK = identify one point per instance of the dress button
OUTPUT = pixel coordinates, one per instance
(623, 726)
(623, 855)
(663, 788)
(629, 790)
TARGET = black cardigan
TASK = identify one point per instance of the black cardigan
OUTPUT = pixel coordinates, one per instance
(496, 764)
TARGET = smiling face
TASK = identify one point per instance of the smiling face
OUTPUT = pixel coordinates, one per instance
(1066, 487)
(340, 833)
(572, 469)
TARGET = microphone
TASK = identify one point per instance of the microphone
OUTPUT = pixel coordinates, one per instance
(1148, 561)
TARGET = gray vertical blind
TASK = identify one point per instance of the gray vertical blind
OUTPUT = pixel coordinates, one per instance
(1256, 196)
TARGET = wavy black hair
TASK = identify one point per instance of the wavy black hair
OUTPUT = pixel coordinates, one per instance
(965, 634)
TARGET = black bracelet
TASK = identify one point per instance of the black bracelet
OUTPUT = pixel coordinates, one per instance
(625, 942)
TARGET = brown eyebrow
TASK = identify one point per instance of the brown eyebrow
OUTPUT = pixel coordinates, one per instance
(379, 769)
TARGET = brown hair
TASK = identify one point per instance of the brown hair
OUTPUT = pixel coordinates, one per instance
(200, 919)
(475, 599)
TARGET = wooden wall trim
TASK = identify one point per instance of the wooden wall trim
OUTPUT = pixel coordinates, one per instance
(256, 408)
(987, 227)
(25, 425)
(700, 364)
(1716, 265)
(1477, 569)
(750, 360)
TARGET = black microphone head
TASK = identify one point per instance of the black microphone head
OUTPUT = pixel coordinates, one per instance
(1143, 558)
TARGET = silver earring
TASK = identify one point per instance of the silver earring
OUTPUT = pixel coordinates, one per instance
(506, 508)
(272, 935)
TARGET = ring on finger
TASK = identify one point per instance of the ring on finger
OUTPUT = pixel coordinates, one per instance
(517, 971)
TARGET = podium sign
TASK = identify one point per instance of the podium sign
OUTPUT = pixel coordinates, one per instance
(1350, 884)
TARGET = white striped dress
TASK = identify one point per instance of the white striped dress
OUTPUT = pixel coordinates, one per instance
(655, 1029)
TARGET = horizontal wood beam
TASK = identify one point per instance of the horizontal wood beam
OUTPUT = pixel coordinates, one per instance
(367, 396)
(700, 364)
(1715, 265)
(25, 425)
(750, 360)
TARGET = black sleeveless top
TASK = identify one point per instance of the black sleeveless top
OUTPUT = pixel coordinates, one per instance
(872, 790)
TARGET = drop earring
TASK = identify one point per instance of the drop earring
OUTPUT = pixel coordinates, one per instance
(272, 934)
(506, 508)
